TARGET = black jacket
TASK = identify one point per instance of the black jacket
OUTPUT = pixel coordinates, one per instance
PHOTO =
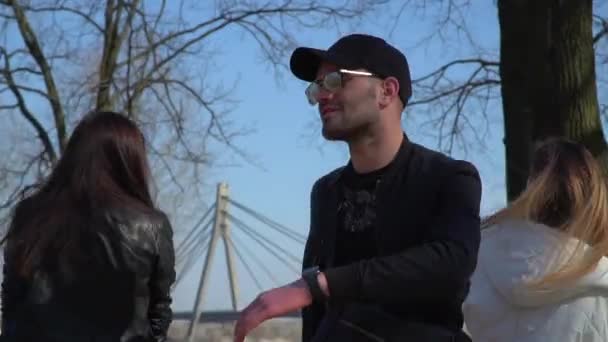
(428, 235)
(125, 294)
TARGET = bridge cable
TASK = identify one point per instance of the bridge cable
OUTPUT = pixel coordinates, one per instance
(194, 228)
(267, 240)
(238, 254)
(187, 249)
(192, 258)
(264, 243)
(273, 224)
(256, 259)
(187, 265)
(195, 251)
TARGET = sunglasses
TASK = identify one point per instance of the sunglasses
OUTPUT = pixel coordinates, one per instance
(331, 82)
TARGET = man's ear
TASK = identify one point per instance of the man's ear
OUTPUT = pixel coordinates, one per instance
(390, 91)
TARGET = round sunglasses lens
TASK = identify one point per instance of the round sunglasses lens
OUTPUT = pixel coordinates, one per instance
(332, 81)
(311, 93)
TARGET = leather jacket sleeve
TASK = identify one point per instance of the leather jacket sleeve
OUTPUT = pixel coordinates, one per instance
(13, 291)
(439, 268)
(163, 277)
(311, 315)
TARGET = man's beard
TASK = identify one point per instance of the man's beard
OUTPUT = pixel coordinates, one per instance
(349, 127)
(346, 134)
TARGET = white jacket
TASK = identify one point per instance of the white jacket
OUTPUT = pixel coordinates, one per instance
(500, 308)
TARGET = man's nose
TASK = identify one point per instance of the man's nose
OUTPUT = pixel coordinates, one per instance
(324, 96)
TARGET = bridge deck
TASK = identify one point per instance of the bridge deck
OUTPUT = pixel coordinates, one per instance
(221, 316)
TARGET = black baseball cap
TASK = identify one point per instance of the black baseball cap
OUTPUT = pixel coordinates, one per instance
(356, 51)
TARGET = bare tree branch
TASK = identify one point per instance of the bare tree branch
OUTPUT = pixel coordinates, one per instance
(438, 90)
(150, 60)
(30, 40)
(26, 70)
(61, 7)
(9, 107)
(21, 175)
(603, 32)
(38, 92)
(21, 103)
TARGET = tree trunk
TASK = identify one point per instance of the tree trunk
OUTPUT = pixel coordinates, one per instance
(547, 71)
(111, 48)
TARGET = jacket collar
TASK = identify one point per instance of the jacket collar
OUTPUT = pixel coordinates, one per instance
(331, 197)
(401, 158)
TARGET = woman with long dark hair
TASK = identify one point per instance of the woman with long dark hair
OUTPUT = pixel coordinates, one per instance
(542, 272)
(88, 257)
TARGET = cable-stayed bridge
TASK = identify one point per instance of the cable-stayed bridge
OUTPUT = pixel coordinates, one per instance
(226, 222)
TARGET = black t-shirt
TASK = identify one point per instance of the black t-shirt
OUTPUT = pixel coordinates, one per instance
(355, 236)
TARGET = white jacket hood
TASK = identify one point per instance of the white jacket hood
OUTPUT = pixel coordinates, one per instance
(515, 251)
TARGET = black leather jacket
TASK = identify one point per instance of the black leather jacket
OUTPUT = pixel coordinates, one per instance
(125, 298)
(427, 241)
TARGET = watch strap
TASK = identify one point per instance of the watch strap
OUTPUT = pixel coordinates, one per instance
(310, 276)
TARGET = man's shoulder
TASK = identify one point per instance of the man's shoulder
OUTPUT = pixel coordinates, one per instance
(327, 178)
(432, 161)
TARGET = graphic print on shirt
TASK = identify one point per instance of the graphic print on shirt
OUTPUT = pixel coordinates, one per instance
(358, 209)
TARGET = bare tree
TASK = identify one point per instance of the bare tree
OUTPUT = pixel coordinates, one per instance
(544, 78)
(62, 58)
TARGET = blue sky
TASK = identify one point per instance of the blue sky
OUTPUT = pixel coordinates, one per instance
(289, 151)
(293, 155)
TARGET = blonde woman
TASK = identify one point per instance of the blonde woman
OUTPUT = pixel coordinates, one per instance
(542, 273)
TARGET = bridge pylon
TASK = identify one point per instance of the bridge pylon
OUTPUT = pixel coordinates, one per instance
(221, 230)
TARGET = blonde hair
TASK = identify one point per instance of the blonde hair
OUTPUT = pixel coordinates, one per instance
(566, 191)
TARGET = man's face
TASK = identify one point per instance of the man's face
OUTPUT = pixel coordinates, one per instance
(346, 113)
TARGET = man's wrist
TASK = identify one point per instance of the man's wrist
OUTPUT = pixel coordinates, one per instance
(322, 280)
(313, 279)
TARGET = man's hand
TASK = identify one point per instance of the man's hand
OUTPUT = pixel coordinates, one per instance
(274, 303)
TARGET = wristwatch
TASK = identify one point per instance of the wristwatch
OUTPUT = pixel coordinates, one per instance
(310, 276)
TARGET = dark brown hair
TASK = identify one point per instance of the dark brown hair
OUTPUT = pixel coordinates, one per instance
(103, 167)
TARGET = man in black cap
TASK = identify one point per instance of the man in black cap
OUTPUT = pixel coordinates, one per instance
(394, 234)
